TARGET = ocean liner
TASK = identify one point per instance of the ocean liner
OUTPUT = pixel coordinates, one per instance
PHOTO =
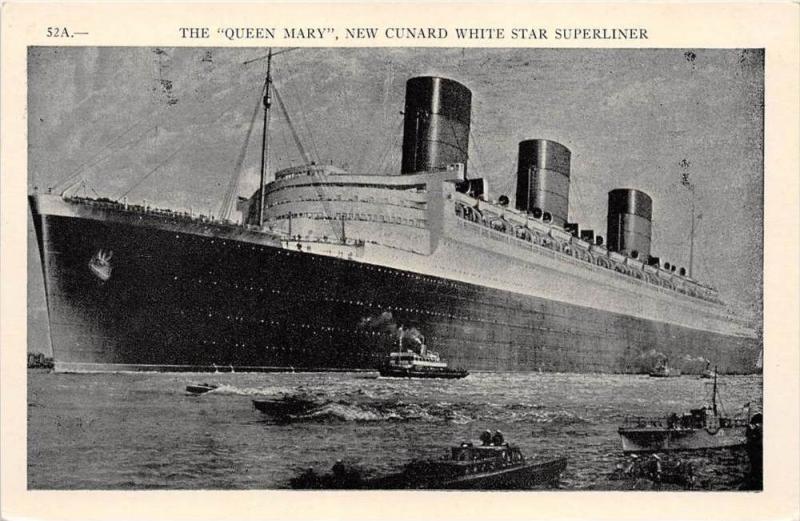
(326, 268)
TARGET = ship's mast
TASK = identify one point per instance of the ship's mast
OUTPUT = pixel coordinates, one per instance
(265, 138)
(685, 164)
(691, 237)
(714, 393)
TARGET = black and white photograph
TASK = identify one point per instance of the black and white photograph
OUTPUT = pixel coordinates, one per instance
(410, 268)
(395, 268)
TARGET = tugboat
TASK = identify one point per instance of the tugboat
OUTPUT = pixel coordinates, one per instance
(200, 388)
(663, 370)
(707, 372)
(492, 465)
(409, 364)
(703, 428)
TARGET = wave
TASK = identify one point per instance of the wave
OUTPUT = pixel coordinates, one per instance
(321, 409)
(252, 391)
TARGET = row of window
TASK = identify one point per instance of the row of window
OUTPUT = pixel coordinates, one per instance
(357, 216)
(409, 275)
(412, 205)
(594, 334)
(322, 185)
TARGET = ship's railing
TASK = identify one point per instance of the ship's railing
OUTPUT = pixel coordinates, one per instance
(315, 239)
(353, 216)
(645, 421)
(684, 421)
(544, 251)
(399, 203)
(185, 217)
(497, 227)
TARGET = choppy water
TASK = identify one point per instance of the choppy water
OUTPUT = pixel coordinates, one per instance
(142, 430)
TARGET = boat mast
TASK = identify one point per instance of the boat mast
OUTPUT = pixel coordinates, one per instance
(685, 164)
(714, 392)
(264, 138)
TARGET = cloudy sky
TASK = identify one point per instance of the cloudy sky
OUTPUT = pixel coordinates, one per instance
(169, 125)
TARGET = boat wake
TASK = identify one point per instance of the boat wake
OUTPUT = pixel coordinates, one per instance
(316, 409)
(252, 391)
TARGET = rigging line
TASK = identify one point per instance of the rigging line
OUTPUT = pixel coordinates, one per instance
(475, 140)
(73, 175)
(127, 144)
(289, 149)
(148, 174)
(305, 120)
(388, 143)
(186, 142)
(308, 129)
(395, 150)
(574, 182)
(391, 145)
(291, 126)
(276, 53)
(110, 152)
(64, 187)
(325, 204)
(104, 148)
(233, 186)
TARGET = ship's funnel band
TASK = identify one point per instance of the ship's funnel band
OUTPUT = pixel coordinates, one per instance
(630, 233)
(442, 147)
(543, 171)
(544, 199)
(545, 154)
(545, 184)
(629, 222)
(436, 124)
(628, 200)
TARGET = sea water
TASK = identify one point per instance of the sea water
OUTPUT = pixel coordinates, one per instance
(142, 430)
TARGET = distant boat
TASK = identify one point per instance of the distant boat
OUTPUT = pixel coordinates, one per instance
(409, 364)
(492, 465)
(703, 428)
(663, 370)
(200, 388)
(707, 372)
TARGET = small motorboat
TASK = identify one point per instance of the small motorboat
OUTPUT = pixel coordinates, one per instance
(491, 465)
(663, 370)
(285, 407)
(707, 372)
(200, 388)
(702, 428)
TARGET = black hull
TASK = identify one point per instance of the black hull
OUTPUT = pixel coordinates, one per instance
(284, 408)
(404, 373)
(179, 301)
(526, 476)
(670, 440)
(200, 388)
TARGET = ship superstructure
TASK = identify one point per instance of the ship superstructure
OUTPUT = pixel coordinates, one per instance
(327, 266)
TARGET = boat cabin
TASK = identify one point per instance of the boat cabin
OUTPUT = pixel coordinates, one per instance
(469, 452)
(408, 359)
(467, 460)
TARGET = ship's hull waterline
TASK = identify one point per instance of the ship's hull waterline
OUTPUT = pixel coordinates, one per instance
(197, 301)
(660, 440)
